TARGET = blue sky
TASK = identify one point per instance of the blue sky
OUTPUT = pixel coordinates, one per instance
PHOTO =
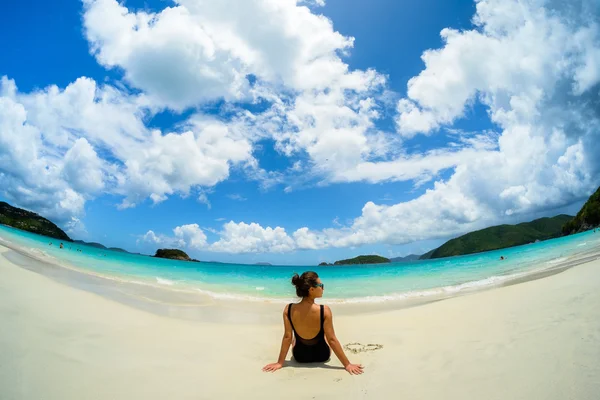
(348, 148)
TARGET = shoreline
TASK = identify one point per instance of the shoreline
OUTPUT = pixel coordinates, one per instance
(168, 301)
(538, 339)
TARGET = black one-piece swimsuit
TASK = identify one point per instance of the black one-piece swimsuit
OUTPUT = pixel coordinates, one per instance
(310, 350)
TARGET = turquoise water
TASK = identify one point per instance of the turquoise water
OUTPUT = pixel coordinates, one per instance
(344, 283)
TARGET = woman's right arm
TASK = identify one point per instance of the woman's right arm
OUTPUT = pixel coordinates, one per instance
(335, 345)
(286, 341)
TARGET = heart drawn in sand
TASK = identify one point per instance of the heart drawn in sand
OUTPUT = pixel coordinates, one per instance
(362, 348)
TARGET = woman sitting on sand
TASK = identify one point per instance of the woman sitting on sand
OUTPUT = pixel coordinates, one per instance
(309, 320)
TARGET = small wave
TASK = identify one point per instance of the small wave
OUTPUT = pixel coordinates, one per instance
(557, 260)
(388, 297)
(243, 297)
(163, 281)
(40, 253)
(441, 291)
(260, 288)
(582, 244)
(492, 280)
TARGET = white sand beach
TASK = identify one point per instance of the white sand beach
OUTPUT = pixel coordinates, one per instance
(534, 340)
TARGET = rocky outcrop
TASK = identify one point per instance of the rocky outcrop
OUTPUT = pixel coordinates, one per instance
(173, 254)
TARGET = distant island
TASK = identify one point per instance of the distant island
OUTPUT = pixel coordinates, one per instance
(370, 259)
(263, 263)
(31, 222)
(502, 236)
(100, 246)
(173, 254)
(587, 218)
(410, 257)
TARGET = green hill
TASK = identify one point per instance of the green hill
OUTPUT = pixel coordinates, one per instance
(410, 257)
(118, 249)
(100, 246)
(587, 218)
(502, 236)
(427, 255)
(29, 221)
(372, 259)
(91, 244)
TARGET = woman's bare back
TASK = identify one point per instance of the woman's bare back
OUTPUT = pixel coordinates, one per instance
(306, 319)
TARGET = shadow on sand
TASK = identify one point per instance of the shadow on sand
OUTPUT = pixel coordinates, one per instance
(294, 364)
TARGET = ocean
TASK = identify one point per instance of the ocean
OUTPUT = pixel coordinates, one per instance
(346, 284)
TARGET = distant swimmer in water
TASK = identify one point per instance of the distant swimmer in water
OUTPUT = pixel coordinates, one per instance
(502, 257)
(50, 244)
(61, 246)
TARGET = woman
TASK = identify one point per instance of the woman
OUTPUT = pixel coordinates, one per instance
(309, 320)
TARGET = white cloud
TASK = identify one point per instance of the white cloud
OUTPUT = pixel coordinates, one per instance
(197, 50)
(532, 64)
(30, 175)
(75, 228)
(176, 162)
(307, 240)
(151, 237)
(236, 197)
(51, 141)
(523, 55)
(525, 64)
(203, 198)
(252, 238)
(83, 168)
(191, 236)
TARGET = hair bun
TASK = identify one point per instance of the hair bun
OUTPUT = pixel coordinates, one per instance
(296, 280)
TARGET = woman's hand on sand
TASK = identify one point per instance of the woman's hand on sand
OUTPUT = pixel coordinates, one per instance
(354, 369)
(272, 367)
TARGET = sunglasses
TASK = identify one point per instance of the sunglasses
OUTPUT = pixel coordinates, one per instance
(320, 285)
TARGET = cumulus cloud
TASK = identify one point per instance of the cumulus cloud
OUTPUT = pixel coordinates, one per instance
(524, 62)
(191, 235)
(534, 66)
(252, 238)
(522, 56)
(153, 238)
(175, 162)
(76, 228)
(197, 50)
(184, 56)
(83, 168)
(51, 140)
(29, 175)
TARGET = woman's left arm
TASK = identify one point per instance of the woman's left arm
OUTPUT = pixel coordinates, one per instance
(286, 341)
